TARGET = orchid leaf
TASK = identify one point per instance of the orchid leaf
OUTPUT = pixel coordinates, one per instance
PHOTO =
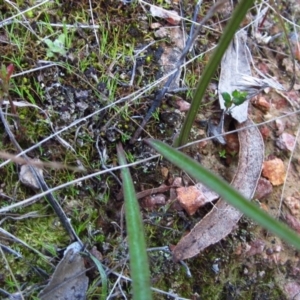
(138, 259)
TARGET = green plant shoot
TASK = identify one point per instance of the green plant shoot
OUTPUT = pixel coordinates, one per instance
(236, 98)
(57, 46)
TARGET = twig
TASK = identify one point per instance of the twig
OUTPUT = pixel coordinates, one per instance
(39, 164)
(40, 180)
(142, 194)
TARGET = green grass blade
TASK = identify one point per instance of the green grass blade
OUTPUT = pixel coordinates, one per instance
(103, 276)
(211, 67)
(226, 191)
(139, 265)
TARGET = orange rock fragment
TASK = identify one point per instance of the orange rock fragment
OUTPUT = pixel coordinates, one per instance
(190, 199)
(274, 170)
(193, 197)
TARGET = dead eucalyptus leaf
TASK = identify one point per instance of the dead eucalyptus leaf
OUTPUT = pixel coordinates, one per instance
(223, 218)
(27, 177)
(69, 281)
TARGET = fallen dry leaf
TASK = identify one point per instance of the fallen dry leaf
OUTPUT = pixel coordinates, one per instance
(235, 58)
(69, 281)
(223, 218)
(274, 170)
(27, 178)
(171, 16)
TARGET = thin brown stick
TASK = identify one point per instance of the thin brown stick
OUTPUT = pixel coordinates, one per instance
(39, 164)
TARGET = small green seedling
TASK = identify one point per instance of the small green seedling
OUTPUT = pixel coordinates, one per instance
(222, 153)
(58, 46)
(236, 98)
(155, 115)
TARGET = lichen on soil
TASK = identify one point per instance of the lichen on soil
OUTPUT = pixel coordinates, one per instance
(88, 75)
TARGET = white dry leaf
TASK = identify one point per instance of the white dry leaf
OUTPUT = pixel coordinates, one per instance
(236, 75)
(27, 177)
(249, 82)
(171, 16)
(234, 65)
